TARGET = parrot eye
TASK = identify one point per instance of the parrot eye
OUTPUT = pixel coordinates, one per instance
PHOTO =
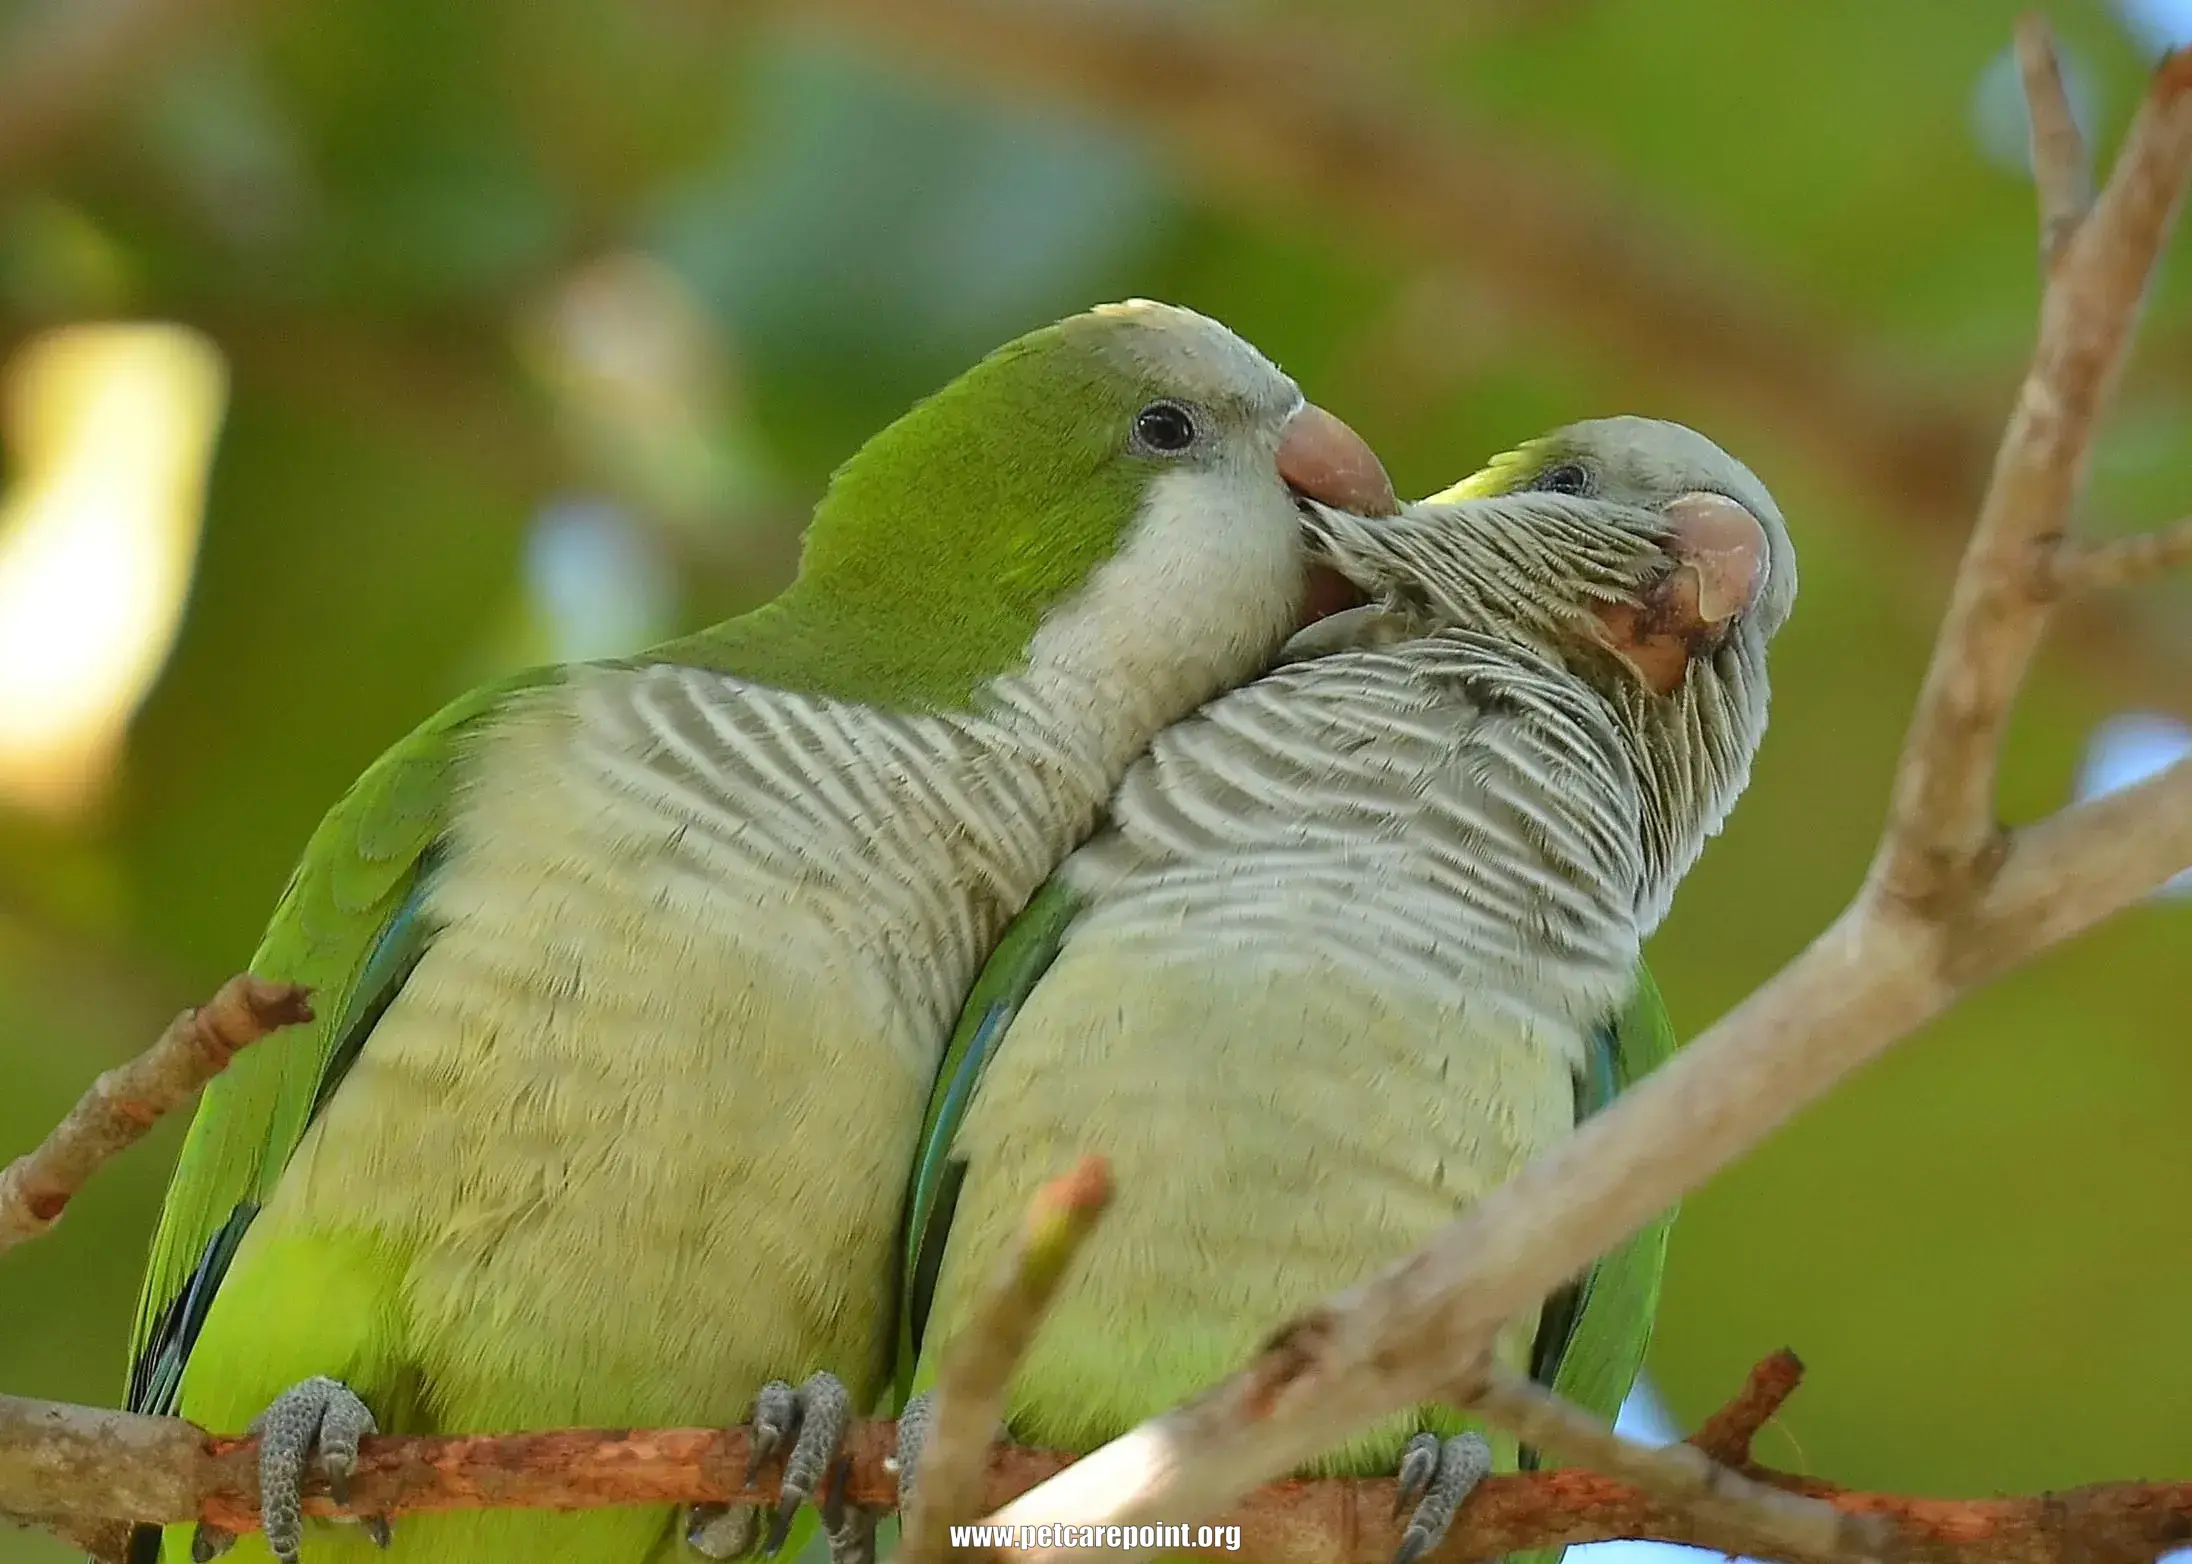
(1567, 478)
(1165, 428)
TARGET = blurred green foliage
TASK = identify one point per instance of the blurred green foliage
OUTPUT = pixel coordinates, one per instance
(392, 217)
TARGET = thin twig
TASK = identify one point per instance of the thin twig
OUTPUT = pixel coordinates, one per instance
(1949, 903)
(2069, 871)
(1726, 1436)
(2076, 568)
(130, 1098)
(978, 1365)
(1767, 1520)
(2062, 168)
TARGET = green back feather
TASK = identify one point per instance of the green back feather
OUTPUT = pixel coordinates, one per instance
(1592, 1338)
(1598, 1358)
(349, 926)
(1013, 970)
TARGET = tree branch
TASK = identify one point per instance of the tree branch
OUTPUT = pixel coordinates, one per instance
(105, 1469)
(2078, 568)
(130, 1098)
(1726, 1436)
(1766, 1520)
(2062, 170)
(1941, 822)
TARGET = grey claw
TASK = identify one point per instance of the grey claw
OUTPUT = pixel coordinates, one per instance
(824, 1413)
(344, 1422)
(208, 1543)
(913, 1433)
(831, 1502)
(322, 1416)
(1460, 1464)
(780, 1523)
(721, 1531)
(775, 1419)
(1417, 1465)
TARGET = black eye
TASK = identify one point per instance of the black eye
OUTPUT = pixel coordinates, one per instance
(1165, 427)
(1567, 478)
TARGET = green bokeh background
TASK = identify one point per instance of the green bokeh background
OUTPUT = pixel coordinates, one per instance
(1982, 1247)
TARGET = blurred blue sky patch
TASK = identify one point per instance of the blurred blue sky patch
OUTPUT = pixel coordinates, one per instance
(2129, 749)
(2160, 25)
(597, 580)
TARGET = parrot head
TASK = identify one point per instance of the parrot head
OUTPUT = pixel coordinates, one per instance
(1735, 578)
(1116, 497)
(1637, 554)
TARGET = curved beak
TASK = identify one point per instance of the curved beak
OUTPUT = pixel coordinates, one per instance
(1722, 562)
(1322, 459)
(1724, 546)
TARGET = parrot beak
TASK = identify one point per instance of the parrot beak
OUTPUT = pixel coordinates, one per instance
(1321, 459)
(1723, 547)
(1722, 561)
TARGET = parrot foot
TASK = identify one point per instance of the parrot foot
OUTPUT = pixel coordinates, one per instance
(1435, 1476)
(321, 1417)
(812, 1418)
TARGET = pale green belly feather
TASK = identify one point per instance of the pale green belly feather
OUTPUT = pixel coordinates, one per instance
(633, 1137)
(1254, 1170)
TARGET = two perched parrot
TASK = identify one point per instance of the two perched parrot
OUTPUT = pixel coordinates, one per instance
(633, 977)
(1360, 939)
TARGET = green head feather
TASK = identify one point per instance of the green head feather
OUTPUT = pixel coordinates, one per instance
(944, 543)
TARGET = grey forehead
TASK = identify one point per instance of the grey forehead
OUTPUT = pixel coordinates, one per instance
(1191, 355)
(1656, 451)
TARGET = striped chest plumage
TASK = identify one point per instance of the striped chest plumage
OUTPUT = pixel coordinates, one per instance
(658, 1076)
(1347, 930)
(1436, 818)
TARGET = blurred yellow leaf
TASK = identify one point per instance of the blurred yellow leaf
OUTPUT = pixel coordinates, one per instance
(112, 428)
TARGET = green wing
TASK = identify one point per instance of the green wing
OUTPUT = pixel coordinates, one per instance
(1593, 1338)
(1016, 966)
(349, 925)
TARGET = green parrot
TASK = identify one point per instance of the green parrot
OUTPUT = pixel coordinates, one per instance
(1360, 939)
(632, 977)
